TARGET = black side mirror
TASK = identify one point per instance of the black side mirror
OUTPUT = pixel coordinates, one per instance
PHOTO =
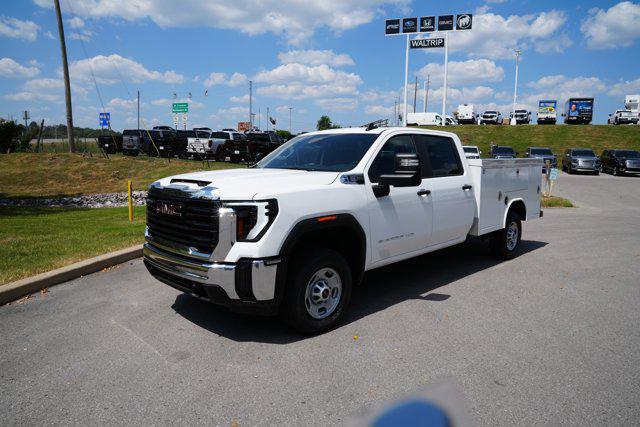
(406, 172)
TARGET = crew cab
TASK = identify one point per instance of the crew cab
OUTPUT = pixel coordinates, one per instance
(199, 146)
(623, 117)
(295, 233)
(131, 141)
(219, 138)
(491, 118)
(256, 146)
(158, 142)
(620, 162)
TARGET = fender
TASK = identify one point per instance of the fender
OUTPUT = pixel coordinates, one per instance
(506, 211)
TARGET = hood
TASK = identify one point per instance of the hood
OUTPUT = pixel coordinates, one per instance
(542, 156)
(245, 184)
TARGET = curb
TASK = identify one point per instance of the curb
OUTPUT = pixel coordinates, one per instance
(16, 290)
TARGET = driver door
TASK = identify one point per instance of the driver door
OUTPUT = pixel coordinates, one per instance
(400, 222)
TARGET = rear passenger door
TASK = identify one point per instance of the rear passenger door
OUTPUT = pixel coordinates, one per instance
(450, 185)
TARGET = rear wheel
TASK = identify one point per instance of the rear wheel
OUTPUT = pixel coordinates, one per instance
(318, 290)
(505, 243)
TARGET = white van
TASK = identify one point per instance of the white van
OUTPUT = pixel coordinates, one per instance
(424, 119)
(467, 114)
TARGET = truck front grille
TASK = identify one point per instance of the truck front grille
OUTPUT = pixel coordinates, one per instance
(182, 222)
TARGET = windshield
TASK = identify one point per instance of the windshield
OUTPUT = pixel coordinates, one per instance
(258, 137)
(583, 153)
(629, 154)
(491, 112)
(504, 150)
(220, 135)
(324, 152)
(542, 151)
(202, 134)
(185, 134)
(470, 149)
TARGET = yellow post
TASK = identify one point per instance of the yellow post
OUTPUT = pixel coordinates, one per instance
(129, 190)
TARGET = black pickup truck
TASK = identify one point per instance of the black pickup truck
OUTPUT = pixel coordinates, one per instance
(256, 146)
(158, 142)
(110, 144)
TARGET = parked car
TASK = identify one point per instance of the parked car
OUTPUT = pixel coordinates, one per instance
(471, 151)
(110, 144)
(580, 160)
(199, 145)
(523, 117)
(620, 162)
(256, 146)
(623, 117)
(132, 141)
(156, 142)
(502, 152)
(466, 114)
(491, 118)
(165, 128)
(181, 141)
(424, 119)
(543, 153)
(219, 138)
(294, 234)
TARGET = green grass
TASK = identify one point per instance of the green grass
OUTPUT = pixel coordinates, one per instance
(90, 146)
(556, 202)
(558, 138)
(64, 174)
(36, 240)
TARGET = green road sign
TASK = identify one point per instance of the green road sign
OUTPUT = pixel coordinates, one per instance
(180, 107)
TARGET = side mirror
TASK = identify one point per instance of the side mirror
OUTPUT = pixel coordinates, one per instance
(259, 157)
(407, 172)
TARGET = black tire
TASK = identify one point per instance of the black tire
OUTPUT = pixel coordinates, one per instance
(500, 242)
(302, 269)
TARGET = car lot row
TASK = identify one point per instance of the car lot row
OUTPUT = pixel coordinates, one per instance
(613, 161)
(197, 143)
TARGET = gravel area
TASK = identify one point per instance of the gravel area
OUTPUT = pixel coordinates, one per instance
(104, 200)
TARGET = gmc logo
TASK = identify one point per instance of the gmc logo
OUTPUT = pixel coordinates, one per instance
(168, 209)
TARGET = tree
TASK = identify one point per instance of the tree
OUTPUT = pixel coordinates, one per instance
(284, 134)
(325, 123)
(10, 133)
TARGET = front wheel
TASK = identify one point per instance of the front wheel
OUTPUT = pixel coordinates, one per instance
(318, 290)
(505, 242)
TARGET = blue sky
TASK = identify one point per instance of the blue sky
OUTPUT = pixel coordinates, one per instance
(319, 57)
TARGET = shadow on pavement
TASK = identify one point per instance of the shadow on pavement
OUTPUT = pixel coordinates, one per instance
(382, 288)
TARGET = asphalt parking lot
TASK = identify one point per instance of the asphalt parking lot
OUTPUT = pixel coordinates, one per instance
(551, 337)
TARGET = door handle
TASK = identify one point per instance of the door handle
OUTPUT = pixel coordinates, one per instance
(466, 187)
(422, 192)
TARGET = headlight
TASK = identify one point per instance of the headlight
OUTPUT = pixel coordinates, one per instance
(253, 218)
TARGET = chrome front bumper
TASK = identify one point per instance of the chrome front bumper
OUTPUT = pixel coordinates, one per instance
(250, 280)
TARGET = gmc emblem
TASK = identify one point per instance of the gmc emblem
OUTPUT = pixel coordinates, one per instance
(168, 209)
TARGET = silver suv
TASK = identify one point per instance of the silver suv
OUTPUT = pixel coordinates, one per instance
(580, 160)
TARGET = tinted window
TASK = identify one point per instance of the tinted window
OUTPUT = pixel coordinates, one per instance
(321, 152)
(202, 134)
(630, 154)
(154, 134)
(584, 153)
(239, 137)
(470, 150)
(384, 163)
(438, 156)
(220, 135)
(542, 151)
(185, 134)
(259, 137)
(130, 133)
(504, 151)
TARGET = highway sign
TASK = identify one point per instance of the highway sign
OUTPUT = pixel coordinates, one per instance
(105, 119)
(427, 43)
(180, 107)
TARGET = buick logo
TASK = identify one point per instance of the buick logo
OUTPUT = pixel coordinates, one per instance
(168, 209)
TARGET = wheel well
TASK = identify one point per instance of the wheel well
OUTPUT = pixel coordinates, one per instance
(342, 239)
(518, 207)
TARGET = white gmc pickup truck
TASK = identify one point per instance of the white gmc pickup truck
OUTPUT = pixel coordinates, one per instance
(295, 233)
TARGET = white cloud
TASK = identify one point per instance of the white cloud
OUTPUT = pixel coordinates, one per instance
(379, 111)
(494, 36)
(298, 81)
(216, 78)
(295, 20)
(33, 96)
(625, 87)
(111, 69)
(122, 104)
(618, 26)
(575, 86)
(76, 22)
(17, 29)
(234, 112)
(50, 85)
(240, 99)
(337, 104)
(463, 72)
(10, 68)
(315, 57)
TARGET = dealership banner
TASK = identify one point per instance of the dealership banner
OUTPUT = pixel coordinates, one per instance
(427, 24)
(427, 43)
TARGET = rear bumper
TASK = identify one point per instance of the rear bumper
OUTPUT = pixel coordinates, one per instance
(246, 286)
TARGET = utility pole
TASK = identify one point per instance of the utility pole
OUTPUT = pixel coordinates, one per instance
(259, 118)
(290, 108)
(395, 112)
(406, 77)
(515, 88)
(67, 84)
(426, 92)
(26, 118)
(138, 111)
(250, 105)
(268, 120)
(415, 93)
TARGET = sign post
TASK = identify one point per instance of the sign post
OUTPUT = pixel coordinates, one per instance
(445, 24)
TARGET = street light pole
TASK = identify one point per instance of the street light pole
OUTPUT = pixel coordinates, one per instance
(406, 78)
(446, 69)
(426, 92)
(290, 108)
(515, 89)
(65, 72)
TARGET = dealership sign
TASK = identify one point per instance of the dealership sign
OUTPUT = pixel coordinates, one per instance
(427, 24)
(426, 43)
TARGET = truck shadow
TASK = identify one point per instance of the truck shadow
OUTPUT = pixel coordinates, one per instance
(382, 288)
